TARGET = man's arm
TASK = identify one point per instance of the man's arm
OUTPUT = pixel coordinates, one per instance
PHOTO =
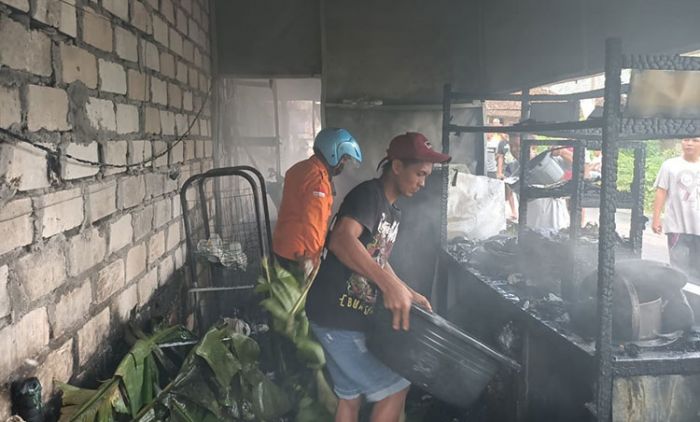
(345, 244)
(659, 203)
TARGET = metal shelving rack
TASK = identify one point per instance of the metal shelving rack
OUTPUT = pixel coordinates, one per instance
(609, 134)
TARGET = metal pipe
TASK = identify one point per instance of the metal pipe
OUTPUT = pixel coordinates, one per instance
(606, 248)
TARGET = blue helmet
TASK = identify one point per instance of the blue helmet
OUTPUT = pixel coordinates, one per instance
(334, 143)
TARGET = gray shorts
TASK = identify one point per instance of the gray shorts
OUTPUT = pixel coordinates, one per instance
(353, 369)
(684, 253)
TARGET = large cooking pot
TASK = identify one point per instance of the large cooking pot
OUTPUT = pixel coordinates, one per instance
(435, 355)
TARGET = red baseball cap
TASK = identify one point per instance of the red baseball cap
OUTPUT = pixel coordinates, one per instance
(413, 146)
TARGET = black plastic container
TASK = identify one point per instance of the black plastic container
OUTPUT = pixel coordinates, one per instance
(436, 356)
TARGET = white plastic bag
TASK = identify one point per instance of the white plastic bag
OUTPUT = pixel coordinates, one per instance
(476, 207)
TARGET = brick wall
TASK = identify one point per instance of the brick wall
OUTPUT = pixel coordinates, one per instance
(84, 247)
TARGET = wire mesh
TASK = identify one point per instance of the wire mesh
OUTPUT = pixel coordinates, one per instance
(226, 239)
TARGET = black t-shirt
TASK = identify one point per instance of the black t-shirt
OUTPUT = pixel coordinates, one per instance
(339, 298)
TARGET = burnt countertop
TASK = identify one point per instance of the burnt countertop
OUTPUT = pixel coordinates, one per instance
(678, 353)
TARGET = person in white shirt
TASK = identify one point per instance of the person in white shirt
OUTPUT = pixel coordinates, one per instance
(678, 195)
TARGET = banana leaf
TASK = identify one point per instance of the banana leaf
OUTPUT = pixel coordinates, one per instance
(218, 356)
(84, 405)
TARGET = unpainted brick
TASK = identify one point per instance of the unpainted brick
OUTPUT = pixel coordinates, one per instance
(160, 150)
(166, 269)
(162, 213)
(159, 91)
(24, 339)
(110, 280)
(112, 77)
(130, 192)
(58, 366)
(143, 222)
(60, 211)
(10, 108)
(174, 96)
(190, 150)
(24, 163)
(22, 5)
(92, 335)
(151, 120)
(23, 49)
(127, 301)
(97, 31)
(167, 9)
(173, 239)
(181, 18)
(177, 153)
(140, 17)
(78, 65)
(71, 309)
(71, 169)
(160, 30)
(126, 44)
(47, 108)
(167, 65)
(167, 122)
(118, 8)
(175, 41)
(181, 73)
(156, 247)
(5, 305)
(101, 114)
(148, 285)
(138, 85)
(16, 224)
(140, 151)
(151, 57)
(127, 119)
(102, 199)
(135, 262)
(187, 101)
(59, 14)
(188, 50)
(114, 152)
(120, 233)
(85, 250)
(155, 184)
(41, 271)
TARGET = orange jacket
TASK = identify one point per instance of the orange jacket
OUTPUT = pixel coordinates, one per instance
(302, 221)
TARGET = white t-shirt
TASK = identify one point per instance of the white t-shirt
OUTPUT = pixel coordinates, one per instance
(681, 180)
(548, 214)
(491, 150)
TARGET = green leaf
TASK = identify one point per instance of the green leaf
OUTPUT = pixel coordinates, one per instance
(311, 353)
(269, 401)
(273, 306)
(101, 406)
(218, 356)
(246, 349)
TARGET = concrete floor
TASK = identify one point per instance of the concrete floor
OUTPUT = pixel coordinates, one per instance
(653, 245)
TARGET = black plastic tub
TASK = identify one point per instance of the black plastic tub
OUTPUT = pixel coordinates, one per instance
(436, 356)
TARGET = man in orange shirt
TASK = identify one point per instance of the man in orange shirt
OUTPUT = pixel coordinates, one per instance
(307, 200)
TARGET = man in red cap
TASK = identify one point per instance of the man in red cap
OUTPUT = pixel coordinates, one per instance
(356, 266)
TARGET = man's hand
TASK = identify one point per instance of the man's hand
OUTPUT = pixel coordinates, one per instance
(397, 299)
(421, 301)
(656, 226)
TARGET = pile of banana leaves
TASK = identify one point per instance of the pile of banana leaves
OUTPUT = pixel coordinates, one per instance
(219, 378)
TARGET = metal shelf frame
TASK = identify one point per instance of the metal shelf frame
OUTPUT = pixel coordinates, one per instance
(609, 134)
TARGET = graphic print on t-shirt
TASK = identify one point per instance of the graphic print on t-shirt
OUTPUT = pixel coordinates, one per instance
(689, 187)
(361, 295)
